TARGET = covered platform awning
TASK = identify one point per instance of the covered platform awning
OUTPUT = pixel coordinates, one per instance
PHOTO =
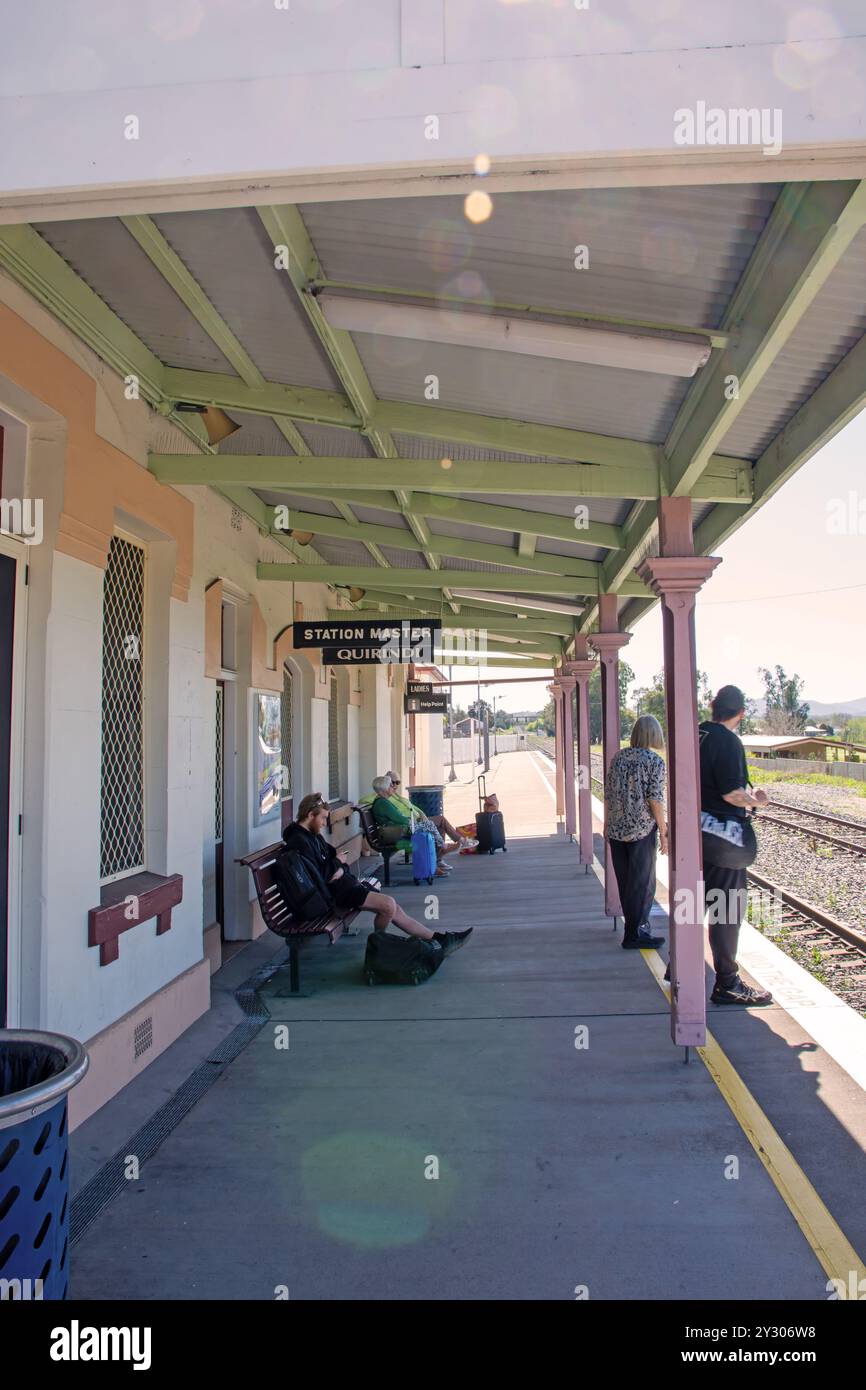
(530, 415)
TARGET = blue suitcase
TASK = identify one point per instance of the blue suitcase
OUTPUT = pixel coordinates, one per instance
(423, 856)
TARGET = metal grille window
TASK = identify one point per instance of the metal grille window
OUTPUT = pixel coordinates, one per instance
(286, 732)
(122, 788)
(218, 764)
(334, 769)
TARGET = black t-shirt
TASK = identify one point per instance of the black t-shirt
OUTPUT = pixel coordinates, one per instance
(723, 770)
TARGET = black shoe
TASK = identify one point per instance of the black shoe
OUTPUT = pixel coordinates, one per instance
(451, 941)
(642, 943)
(645, 936)
(668, 975)
(740, 993)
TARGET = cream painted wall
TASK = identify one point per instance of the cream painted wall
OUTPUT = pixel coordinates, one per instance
(318, 749)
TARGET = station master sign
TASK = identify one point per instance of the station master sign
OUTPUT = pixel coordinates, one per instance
(372, 642)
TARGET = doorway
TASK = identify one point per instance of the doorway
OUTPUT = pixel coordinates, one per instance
(12, 589)
(219, 807)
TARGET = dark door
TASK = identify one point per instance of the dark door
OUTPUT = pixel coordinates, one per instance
(7, 633)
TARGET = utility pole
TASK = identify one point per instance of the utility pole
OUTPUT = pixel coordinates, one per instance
(452, 776)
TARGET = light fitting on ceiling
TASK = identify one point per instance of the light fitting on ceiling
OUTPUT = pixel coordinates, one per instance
(603, 347)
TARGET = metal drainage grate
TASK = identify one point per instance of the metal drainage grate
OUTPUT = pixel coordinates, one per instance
(111, 1179)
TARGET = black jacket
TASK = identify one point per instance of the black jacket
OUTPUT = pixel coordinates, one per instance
(314, 849)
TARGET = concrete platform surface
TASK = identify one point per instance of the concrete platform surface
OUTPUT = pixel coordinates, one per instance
(311, 1165)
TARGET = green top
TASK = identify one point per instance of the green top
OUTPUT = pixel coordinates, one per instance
(386, 813)
(405, 806)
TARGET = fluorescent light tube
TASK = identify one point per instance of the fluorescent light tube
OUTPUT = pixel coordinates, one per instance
(636, 352)
(518, 601)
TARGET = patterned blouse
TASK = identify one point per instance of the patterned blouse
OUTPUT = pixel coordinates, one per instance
(635, 776)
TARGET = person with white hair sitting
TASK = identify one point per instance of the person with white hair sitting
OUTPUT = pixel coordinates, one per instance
(397, 824)
(441, 824)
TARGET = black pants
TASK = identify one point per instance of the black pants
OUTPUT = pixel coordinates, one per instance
(634, 863)
(725, 894)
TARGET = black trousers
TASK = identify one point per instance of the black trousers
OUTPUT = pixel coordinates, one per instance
(725, 896)
(634, 863)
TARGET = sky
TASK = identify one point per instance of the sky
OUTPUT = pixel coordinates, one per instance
(791, 590)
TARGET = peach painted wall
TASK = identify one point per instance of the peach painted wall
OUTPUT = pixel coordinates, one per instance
(98, 477)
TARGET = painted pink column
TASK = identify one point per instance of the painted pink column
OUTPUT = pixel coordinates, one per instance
(556, 692)
(582, 668)
(607, 643)
(566, 684)
(676, 579)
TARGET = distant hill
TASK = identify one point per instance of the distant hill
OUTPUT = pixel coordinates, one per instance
(821, 711)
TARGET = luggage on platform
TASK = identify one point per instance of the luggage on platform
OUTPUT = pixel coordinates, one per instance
(400, 960)
(489, 825)
(423, 856)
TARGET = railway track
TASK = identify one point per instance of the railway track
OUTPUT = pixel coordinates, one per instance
(829, 949)
(797, 819)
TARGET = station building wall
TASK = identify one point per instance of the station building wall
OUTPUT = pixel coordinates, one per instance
(75, 443)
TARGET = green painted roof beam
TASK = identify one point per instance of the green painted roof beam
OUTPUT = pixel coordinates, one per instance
(497, 518)
(809, 230)
(470, 618)
(452, 546)
(508, 627)
(298, 402)
(427, 421)
(400, 580)
(725, 483)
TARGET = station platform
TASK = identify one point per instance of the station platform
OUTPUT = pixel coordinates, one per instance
(577, 1156)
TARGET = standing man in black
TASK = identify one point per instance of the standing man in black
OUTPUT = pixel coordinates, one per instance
(725, 798)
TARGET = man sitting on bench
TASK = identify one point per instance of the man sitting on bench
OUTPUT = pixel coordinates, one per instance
(442, 825)
(349, 893)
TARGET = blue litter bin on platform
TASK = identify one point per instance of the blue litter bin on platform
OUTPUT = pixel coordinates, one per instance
(430, 799)
(37, 1071)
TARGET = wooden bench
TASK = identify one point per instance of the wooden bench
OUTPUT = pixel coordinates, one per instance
(375, 841)
(277, 915)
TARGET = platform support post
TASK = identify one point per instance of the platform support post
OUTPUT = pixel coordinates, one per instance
(566, 684)
(675, 576)
(556, 692)
(582, 668)
(607, 643)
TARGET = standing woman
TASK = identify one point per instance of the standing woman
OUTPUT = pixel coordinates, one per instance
(634, 822)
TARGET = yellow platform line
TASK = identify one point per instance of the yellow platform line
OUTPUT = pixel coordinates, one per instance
(832, 1249)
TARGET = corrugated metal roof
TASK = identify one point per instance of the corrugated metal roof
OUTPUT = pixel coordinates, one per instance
(374, 517)
(258, 435)
(403, 559)
(340, 552)
(663, 253)
(416, 446)
(463, 531)
(603, 400)
(457, 563)
(319, 505)
(332, 442)
(606, 509)
(232, 258)
(548, 546)
(112, 263)
(828, 330)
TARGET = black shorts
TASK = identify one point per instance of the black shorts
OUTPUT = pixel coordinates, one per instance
(349, 893)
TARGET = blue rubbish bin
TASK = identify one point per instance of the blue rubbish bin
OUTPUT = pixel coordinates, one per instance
(430, 799)
(37, 1071)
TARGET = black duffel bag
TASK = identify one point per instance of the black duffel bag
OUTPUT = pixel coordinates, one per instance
(729, 843)
(400, 960)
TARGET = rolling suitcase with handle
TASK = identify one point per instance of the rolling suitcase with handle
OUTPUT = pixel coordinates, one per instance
(423, 856)
(489, 825)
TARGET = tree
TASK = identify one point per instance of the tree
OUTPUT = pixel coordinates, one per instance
(784, 713)
(650, 699)
(626, 678)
